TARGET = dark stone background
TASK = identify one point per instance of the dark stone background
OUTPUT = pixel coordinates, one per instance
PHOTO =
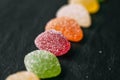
(97, 57)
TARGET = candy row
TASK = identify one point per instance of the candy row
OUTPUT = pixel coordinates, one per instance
(66, 27)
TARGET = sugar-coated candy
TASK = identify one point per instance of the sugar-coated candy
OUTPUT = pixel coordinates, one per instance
(53, 41)
(77, 12)
(23, 75)
(91, 5)
(67, 26)
(101, 0)
(43, 63)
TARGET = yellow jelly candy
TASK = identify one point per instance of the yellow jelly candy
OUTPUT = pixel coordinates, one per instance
(23, 75)
(91, 5)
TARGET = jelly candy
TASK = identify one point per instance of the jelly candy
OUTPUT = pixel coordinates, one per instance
(91, 5)
(43, 63)
(53, 41)
(77, 12)
(23, 75)
(68, 26)
(101, 1)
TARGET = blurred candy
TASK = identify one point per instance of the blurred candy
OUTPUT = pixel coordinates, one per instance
(77, 12)
(101, 0)
(91, 5)
(68, 26)
(23, 75)
(53, 41)
(43, 63)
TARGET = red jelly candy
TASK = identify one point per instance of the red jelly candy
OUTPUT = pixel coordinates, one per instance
(53, 41)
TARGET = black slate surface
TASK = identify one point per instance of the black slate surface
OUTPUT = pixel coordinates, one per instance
(97, 57)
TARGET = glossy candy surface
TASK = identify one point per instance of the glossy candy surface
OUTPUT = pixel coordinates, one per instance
(91, 5)
(68, 27)
(43, 63)
(23, 75)
(77, 12)
(53, 41)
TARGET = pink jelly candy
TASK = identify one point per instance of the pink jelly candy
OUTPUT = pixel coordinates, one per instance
(53, 41)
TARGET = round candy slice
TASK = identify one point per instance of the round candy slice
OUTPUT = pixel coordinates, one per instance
(77, 12)
(91, 5)
(68, 26)
(23, 75)
(53, 41)
(43, 63)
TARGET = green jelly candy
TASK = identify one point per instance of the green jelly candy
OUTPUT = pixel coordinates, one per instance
(43, 63)
(101, 0)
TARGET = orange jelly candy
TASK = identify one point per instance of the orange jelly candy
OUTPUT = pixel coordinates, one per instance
(68, 27)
